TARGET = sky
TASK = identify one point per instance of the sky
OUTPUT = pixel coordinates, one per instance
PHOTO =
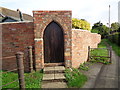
(90, 10)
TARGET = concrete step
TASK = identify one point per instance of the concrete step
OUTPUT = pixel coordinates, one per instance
(54, 77)
(53, 64)
(54, 69)
(53, 80)
(54, 74)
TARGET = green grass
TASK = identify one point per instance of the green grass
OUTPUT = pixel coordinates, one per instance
(75, 78)
(100, 52)
(9, 77)
(115, 47)
(32, 80)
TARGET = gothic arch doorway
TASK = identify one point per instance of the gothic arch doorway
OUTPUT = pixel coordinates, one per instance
(53, 43)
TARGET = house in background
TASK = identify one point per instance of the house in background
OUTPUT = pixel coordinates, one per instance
(7, 15)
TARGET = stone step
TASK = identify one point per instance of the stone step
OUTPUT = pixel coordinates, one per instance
(53, 77)
(54, 80)
(53, 64)
(51, 72)
(55, 69)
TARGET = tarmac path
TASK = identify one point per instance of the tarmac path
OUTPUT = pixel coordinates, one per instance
(109, 75)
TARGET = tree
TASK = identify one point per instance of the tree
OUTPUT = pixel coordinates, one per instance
(101, 29)
(115, 26)
(80, 24)
(96, 25)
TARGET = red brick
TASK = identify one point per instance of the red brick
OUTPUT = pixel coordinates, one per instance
(58, 16)
(16, 34)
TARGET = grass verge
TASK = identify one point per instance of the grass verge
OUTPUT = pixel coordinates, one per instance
(75, 78)
(100, 52)
(32, 80)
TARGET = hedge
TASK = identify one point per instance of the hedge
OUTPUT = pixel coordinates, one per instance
(115, 38)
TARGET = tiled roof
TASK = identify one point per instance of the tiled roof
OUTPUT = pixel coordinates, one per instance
(14, 14)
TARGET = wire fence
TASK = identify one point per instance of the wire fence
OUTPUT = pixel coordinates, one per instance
(20, 68)
(9, 71)
(9, 83)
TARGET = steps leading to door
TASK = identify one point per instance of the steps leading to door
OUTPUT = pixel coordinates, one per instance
(53, 74)
(53, 77)
(53, 64)
(54, 69)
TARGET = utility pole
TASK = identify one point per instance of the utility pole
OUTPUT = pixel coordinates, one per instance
(109, 19)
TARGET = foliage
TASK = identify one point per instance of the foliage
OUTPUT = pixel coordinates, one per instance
(100, 29)
(100, 52)
(75, 78)
(115, 26)
(80, 24)
(115, 47)
(98, 24)
(9, 77)
(94, 31)
(115, 38)
(32, 80)
(102, 60)
(84, 67)
(115, 33)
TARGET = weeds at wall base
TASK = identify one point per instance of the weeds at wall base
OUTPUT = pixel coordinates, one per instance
(75, 78)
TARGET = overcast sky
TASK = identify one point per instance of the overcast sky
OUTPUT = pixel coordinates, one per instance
(91, 10)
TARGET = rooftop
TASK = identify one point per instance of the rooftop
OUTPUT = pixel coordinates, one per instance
(4, 12)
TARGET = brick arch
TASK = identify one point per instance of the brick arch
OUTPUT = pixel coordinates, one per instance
(55, 22)
(51, 20)
(41, 20)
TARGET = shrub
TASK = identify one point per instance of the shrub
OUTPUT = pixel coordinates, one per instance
(115, 38)
(80, 24)
(84, 67)
(75, 78)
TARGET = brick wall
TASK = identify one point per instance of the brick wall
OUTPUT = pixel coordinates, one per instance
(16, 37)
(41, 20)
(81, 39)
(19, 35)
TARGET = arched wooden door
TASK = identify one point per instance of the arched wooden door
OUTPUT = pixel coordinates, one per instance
(53, 43)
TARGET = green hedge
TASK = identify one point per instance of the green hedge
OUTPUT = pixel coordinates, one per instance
(115, 38)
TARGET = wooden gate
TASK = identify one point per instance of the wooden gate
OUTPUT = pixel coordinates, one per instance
(53, 43)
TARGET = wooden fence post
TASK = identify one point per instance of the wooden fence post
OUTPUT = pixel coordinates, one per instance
(19, 59)
(30, 58)
(110, 54)
(88, 53)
